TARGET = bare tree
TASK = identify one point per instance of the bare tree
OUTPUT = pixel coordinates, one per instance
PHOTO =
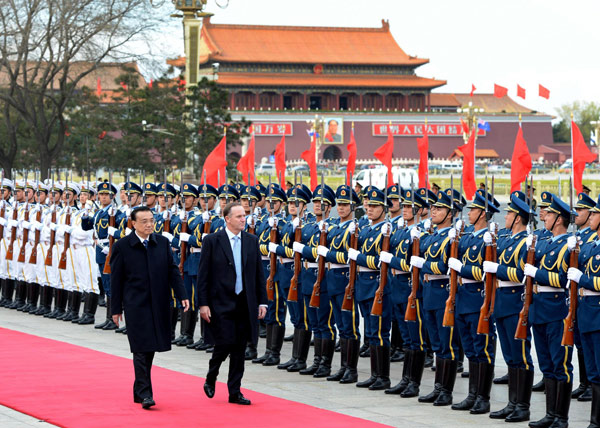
(47, 47)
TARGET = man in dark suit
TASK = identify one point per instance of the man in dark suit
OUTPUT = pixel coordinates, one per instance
(232, 297)
(143, 275)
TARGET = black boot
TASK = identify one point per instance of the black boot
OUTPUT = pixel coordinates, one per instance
(110, 324)
(62, 298)
(550, 386)
(595, 417)
(437, 386)
(383, 369)
(295, 345)
(484, 388)
(318, 349)
(401, 386)
(75, 307)
(512, 395)
(365, 349)
(262, 329)
(583, 381)
(29, 286)
(371, 380)
(8, 290)
(448, 378)
(20, 295)
(89, 310)
(188, 325)
(251, 353)
(539, 387)
(108, 318)
(35, 295)
(274, 358)
(69, 308)
(337, 376)
(82, 299)
(269, 340)
(468, 402)
(327, 351)
(181, 336)
(303, 347)
(563, 402)
(415, 374)
(524, 384)
(45, 300)
(502, 380)
(353, 352)
(53, 312)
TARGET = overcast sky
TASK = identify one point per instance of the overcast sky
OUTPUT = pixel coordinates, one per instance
(555, 43)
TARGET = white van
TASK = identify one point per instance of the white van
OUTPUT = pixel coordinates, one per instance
(377, 176)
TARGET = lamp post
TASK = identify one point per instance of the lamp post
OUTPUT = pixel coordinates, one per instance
(596, 125)
(470, 113)
(318, 126)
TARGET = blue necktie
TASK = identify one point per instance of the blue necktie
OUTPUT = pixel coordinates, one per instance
(237, 259)
(146, 243)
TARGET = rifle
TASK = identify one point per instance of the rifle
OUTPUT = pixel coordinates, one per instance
(128, 184)
(293, 293)
(21, 258)
(377, 309)
(521, 332)
(272, 256)
(167, 222)
(111, 223)
(2, 203)
(184, 228)
(48, 260)
(13, 231)
(62, 264)
(252, 225)
(315, 298)
(411, 308)
(448, 320)
(38, 218)
(571, 319)
(348, 304)
(207, 225)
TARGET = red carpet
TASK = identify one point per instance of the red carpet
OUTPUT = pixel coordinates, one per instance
(72, 386)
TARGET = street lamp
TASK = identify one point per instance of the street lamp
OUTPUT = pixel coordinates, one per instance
(596, 125)
(470, 114)
(318, 126)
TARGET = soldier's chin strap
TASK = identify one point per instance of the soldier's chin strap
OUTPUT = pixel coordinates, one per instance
(452, 212)
(479, 216)
(554, 223)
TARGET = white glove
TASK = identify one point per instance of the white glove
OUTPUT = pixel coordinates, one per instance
(459, 224)
(168, 236)
(571, 242)
(128, 212)
(351, 228)
(323, 225)
(487, 239)
(166, 215)
(112, 230)
(251, 220)
(529, 241)
(60, 231)
(218, 209)
(452, 234)
(53, 227)
(385, 257)
(183, 215)
(298, 247)
(3, 221)
(205, 216)
(127, 231)
(530, 270)
(574, 274)
(257, 212)
(273, 247)
(295, 223)
(427, 224)
(13, 223)
(414, 233)
(417, 261)
(68, 229)
(105, 250)
(36, 225)
(27, 225)
(400, 222)
(455, 264)
(490, 267)
(353, 254)
(493, 227)
(322, 251)
(184, 237)
(271, 221)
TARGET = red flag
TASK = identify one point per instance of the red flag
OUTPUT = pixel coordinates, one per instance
(580, 154)
(465, 127)
(473, 89)
(151, 83)
(520, 92)
(500, 91)
(351, 157)
(98, 89)
(521, 162)
(544, 93)
(309, 157)
(280, 165)
(468, 151)
(123, 85)
(215, 164)
(423, 146)
(384, 154)
(246, 163)
(102, 135)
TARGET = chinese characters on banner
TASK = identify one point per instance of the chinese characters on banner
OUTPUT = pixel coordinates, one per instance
(273, 129)
(416, 129)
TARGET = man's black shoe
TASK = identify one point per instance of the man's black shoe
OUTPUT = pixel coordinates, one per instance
(147, 403)
(209, 390)
(239, 399)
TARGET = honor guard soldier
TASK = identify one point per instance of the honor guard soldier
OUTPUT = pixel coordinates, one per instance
(150, 196)
(363, 220)
(52, 252)
(434, 268)
(41, 247)
(336, 255)
(588, 311)
(227, 194)
(377, 328)
(272, 227)
(8, 284)
(542, 233)
(549, 309)
(262, 202)
(165, 210)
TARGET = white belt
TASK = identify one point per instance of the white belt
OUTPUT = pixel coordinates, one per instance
(434, 277)
(468, 281)
(103, 241)
(502, 284)
(546, 289)
(399, 272)
(78, 247)
(584, 292)
(366, 269)
(265, 257)
(195, 250)
(336, 266)
(310, 265)
(285, 260)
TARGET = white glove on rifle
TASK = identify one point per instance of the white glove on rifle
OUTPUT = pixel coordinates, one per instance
(414, 233)
(68, 229)
(251, 220)
(128, 212)
(427, 224)
(452, 234)
(205, 216)
(184, 237)
(571, 242)
(530, 270)
(54, 227)
(455, 264)
(257, 211)
(385, 257)
(271, 221)
(183, 215)
(351, 227)
(487, 239)
(112, 230)
(417, 261)
(574, 274)
(3, 221)
(298, 247)
(13, 223)
(166, 215)
(322, 251)
(529, 241)
(493, 227)
(490, 267)
(105, 250)
(168, 236)
(400, 222)
(353, 254)
(295, 222)
(459, 224)
(26, 225)
(273, 247)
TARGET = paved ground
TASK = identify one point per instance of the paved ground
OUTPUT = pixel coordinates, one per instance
(348, 399)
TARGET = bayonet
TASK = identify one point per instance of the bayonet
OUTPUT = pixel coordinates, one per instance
(144, 186)
(452, 196)
(486, 200)
(572, 214)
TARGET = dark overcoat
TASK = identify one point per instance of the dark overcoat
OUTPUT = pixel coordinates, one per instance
(216, 284)
(141, 284)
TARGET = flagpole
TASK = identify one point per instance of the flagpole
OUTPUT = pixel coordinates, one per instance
(572, 157)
